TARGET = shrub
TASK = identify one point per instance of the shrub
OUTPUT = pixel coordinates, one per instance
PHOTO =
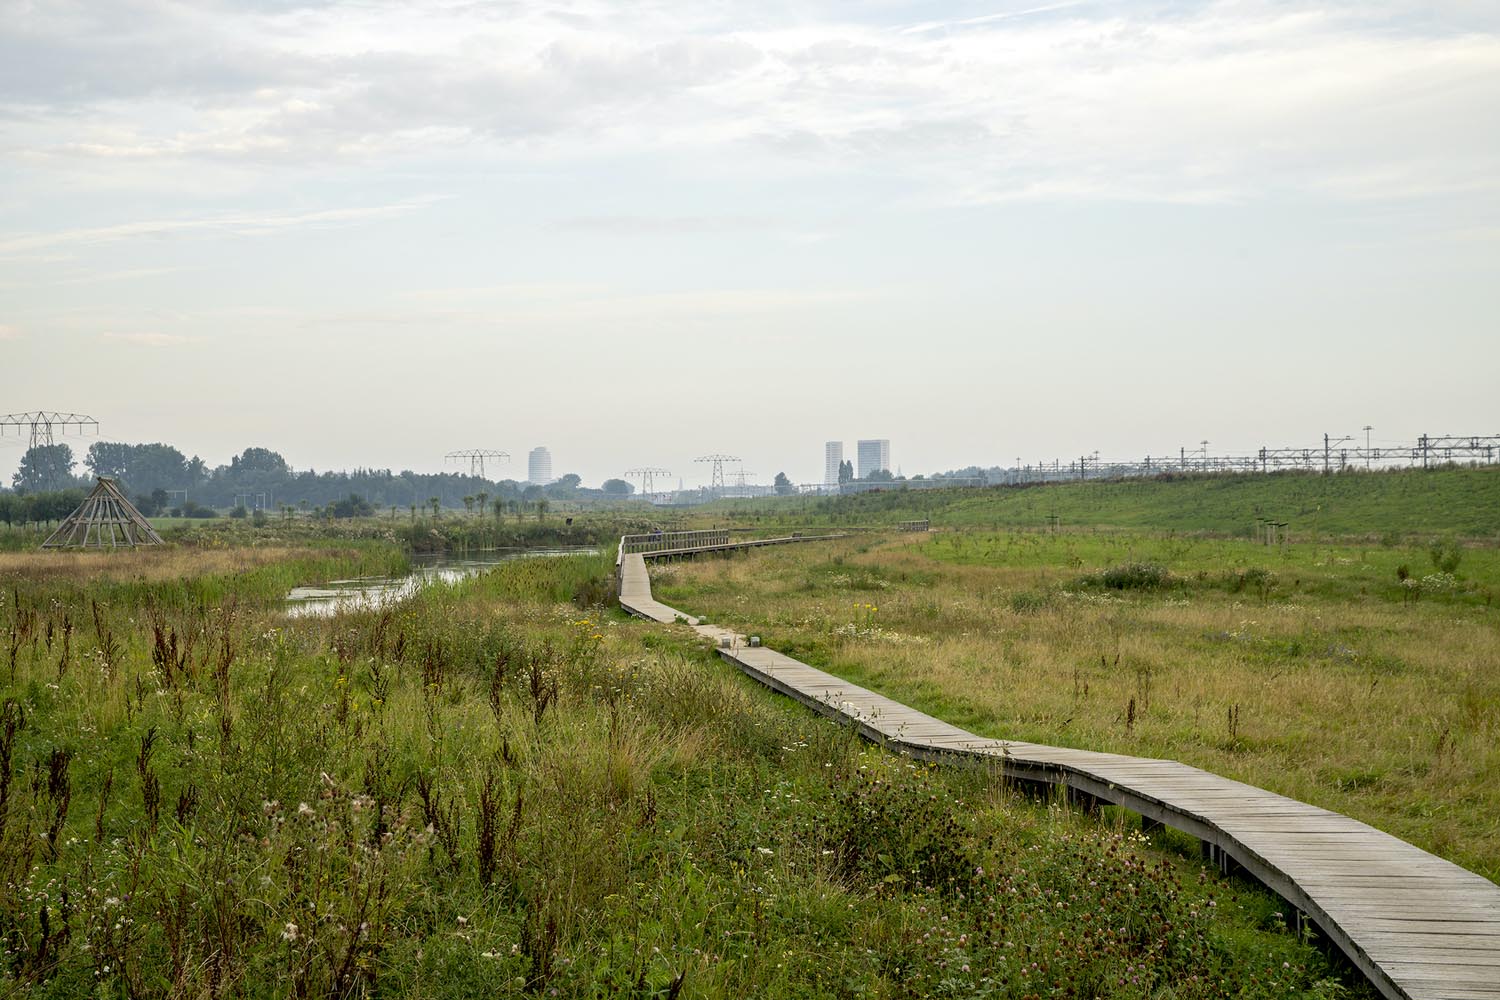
(1446, 555)
(891, 825)
(1255, 578)
(1130, 576)
(1025, 602)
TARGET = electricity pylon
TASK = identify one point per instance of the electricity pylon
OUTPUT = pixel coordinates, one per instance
(43, 423)
(716, 482)
(648, 476)
(476, 457)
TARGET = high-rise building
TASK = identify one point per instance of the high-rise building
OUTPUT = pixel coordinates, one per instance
(539, 466)
(873, 456)
(833, 457)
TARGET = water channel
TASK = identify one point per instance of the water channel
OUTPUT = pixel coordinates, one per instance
(376, 591)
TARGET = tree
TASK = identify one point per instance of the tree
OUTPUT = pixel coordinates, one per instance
(352, 505)
(846, 472)
(880, 476)
(617, 488)
(541, 509)
(435, 503)
(482, 499)
(259, 460)
(469, 503)
(140, 467)
(565, 487)
(784, 485)
(44, 467)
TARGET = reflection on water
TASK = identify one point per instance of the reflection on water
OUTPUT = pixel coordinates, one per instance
(376, 591)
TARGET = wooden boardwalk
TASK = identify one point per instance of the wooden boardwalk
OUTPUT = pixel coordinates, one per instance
(1419, 927)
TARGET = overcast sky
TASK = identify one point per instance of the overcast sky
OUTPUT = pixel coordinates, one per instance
(367, 233)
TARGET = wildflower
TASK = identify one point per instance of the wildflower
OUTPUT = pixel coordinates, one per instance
(290, 932)
(303, 809)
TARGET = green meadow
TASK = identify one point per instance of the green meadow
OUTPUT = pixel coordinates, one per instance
(506, 788)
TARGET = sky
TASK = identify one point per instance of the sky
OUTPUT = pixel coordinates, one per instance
(365, 233)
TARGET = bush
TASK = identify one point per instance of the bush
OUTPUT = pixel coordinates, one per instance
(1255, 578)
(1131, 576)
(1446, 555)
(1025, 602)
(891, 825)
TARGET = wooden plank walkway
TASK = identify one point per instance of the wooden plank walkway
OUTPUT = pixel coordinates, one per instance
(1417, 926)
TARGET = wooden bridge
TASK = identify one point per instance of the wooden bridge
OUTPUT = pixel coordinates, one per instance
(1417, 926)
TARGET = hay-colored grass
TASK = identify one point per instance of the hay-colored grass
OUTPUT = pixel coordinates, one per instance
(1329, 685)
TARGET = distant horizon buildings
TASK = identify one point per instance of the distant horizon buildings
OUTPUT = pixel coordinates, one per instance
(539, 466)
(872, 456)
(833, 458)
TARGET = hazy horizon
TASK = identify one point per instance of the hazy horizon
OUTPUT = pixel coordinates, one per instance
(368, 234)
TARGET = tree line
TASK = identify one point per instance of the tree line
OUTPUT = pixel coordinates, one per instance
(161, 477)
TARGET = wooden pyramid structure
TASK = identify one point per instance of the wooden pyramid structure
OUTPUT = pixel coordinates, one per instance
(105, 518)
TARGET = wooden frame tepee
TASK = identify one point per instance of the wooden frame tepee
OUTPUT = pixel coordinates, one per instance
(105, 519)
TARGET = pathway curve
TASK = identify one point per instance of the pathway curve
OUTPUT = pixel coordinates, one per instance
(1419, 927)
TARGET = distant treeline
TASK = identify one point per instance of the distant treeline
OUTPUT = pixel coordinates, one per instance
(16, 508)
(261, 478)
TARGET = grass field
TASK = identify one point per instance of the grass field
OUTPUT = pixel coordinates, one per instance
(496, 789)
(1363, 678)
(1462, 502)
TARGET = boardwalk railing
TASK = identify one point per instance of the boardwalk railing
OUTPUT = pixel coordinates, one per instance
(674, 541)
(1417, 926)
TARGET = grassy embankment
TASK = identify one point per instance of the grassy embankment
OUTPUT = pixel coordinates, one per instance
(1313, 670)
(1461, 502)
(488, 791)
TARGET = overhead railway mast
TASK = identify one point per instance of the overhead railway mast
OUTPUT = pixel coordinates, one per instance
(477, 457)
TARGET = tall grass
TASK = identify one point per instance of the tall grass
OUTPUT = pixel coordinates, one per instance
(487, 790)
(1314, 671)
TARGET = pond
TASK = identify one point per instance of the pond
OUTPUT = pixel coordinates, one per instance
(376, 591)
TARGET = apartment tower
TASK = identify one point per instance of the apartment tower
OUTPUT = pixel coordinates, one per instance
(873, 456)
(539, 466)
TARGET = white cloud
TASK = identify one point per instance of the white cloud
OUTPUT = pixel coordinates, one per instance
(234, 224)
(1061, 100)
(8, 332)
(149, 339)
